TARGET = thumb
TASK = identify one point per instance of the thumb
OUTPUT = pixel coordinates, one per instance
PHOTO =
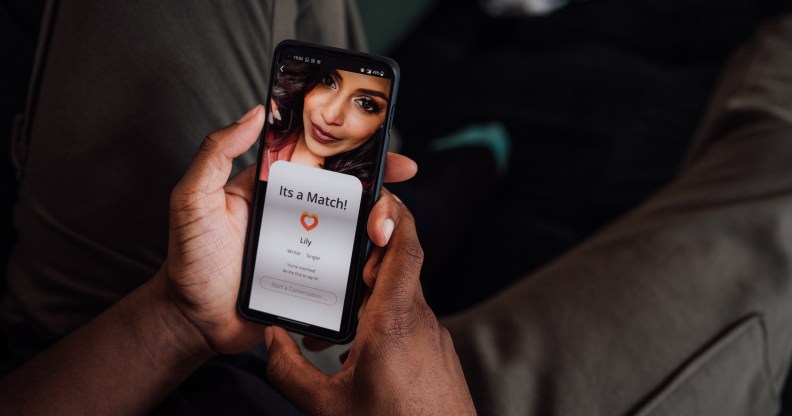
(291, 373)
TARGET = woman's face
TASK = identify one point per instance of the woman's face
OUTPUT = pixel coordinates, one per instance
(343, 111)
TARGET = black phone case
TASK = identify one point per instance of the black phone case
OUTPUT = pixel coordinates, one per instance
(354, 294)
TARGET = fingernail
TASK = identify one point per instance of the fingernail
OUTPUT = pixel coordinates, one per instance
(387, 229)
(268, 335)
(276, 114)
(397, 198)
(252, 112)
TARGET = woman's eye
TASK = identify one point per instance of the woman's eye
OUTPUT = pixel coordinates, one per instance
(368, 105)
(329, 81)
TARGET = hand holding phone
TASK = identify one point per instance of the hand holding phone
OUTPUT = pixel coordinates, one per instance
(320, 171)
(402, 361)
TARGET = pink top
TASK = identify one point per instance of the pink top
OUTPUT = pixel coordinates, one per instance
(272, 155)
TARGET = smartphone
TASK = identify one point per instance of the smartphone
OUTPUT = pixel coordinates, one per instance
(320, 168)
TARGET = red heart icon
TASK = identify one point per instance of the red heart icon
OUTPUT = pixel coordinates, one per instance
(309, 221)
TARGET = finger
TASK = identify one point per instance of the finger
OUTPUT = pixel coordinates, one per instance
(383, 218)
(363, 303)
(274, 114)
(241, 187)
(399, 168)
(290, 372)
(211, 166)
(372, 266)
(242, 183)
(398, 281)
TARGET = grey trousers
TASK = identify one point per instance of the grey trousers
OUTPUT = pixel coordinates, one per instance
(121, 96)
(680, 307)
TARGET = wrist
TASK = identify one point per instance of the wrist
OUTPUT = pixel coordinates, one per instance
(176, 332)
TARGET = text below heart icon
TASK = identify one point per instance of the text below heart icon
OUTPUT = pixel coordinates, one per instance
(309, 221)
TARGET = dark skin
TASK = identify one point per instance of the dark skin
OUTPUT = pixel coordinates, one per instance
(401, 362)
(135, 353)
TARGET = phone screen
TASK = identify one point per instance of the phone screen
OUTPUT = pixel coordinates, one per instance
(320, 169)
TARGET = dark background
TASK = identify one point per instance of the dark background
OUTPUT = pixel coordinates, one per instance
(600, 100)
(19, 25)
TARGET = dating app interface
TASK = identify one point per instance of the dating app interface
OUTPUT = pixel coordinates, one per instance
(307, 236)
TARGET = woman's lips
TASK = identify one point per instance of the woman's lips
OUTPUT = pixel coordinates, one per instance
(322, 136)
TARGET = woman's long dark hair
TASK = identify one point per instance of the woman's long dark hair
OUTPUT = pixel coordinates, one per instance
(293, 81)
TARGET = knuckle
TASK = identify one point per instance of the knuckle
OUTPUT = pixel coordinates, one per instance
(398, 323)
(372, 272)
(403, 327)
(411, 253)
(210, 141)
(396, 205)
(407, 319)
(430, 327)
(428, 318)
(446, 341)
(210, 148)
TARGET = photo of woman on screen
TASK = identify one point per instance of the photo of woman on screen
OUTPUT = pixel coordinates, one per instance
(326, 118)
